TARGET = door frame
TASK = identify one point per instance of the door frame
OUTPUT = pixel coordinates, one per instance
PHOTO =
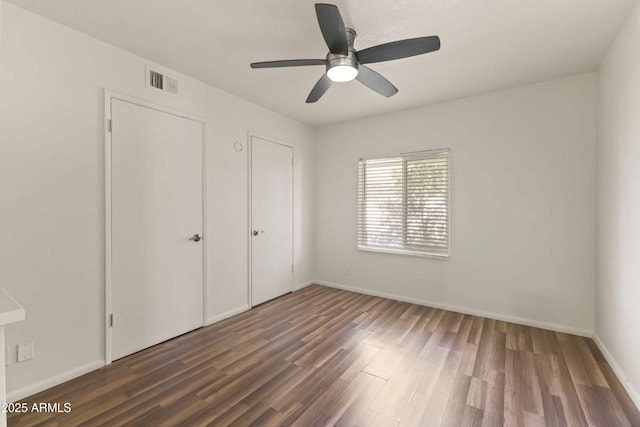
(250, 136)
(109, 96)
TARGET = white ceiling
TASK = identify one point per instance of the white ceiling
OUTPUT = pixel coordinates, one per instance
(486, 45)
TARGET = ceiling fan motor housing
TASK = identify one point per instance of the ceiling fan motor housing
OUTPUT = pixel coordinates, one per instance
(334, 60)
(348, 60)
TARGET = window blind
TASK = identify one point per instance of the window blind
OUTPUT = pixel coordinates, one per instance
(403, 203)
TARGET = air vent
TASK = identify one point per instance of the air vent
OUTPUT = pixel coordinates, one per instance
(156, 80)
(162, 81)
(170, 85)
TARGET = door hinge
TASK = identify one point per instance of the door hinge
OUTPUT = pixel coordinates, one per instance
(292, 268)
(111, 320)
(109, 125)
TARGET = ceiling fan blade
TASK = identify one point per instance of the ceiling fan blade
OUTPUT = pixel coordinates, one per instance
(376, 82)
(319, 89)
(289, 63)
(399, 49)
(332, 28)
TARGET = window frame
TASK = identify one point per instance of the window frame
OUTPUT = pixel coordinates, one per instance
(406, 156)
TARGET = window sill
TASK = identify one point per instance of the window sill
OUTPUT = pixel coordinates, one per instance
(404, 252)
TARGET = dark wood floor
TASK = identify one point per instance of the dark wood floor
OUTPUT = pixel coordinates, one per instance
(322, 356)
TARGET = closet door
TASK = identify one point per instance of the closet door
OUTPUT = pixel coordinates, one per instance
(271, 220)
(156, 226)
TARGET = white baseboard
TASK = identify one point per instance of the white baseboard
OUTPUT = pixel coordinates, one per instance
(219, 317)
(303, 285)
(14, 395)
(464, 310)
(633, 393)
(21, 393)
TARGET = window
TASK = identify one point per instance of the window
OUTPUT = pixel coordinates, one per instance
(403, 204)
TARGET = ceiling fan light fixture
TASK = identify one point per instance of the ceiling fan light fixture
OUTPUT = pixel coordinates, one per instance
(342, 73)
(342, 68)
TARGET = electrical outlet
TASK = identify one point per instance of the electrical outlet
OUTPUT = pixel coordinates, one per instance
(347, 271)
(25, 351)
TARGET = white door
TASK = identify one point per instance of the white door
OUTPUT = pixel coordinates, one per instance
(156, 207)
(271, 220)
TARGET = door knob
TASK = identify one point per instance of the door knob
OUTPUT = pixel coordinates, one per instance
(256, 232)
(195, 238)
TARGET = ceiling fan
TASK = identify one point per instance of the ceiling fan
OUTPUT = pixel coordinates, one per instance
(343, 63)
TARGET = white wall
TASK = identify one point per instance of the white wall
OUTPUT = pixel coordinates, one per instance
(51, 189)
(523, 204)
(618, 237)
